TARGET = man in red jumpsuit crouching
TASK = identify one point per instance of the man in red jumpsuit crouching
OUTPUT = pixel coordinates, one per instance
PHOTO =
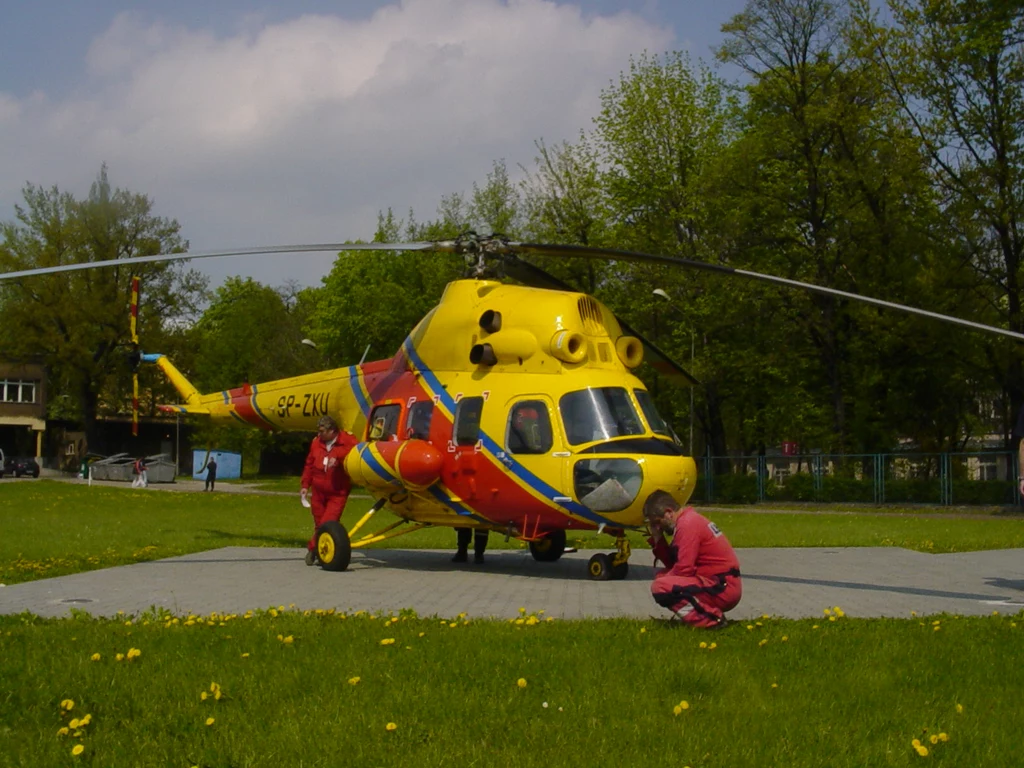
(701, 579)
(326, 477)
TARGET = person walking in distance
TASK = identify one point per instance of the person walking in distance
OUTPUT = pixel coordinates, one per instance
(211, 474)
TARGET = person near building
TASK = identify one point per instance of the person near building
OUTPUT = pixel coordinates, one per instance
(141, 479)
(701, 578)
(211, 474)
(325, 483)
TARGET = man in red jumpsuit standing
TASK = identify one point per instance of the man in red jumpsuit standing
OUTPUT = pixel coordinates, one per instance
(701, 579)
(325, 483)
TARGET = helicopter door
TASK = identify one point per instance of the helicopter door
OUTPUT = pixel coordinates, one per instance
(530, 438)
(466, 445)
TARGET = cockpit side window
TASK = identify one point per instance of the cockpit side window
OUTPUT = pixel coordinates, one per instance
(466, 428)
(654, 420)
(598, 414)
(418, 420)
(384, 422)
(529, 428)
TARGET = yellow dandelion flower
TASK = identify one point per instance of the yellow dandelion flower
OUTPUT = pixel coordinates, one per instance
(828, 611)
(643, 630)
(913, 613)
(210, 721)
(214, 687)
(77, 750)
(750, 627)
(63, 731)
(85, 721)
(922, 751)
(775, 685)
(763, 643)
(521, 682)
(758, 624)
(119, 657)
(245, 655)
(703, 644)
(218, 695)
(943, 737)
(785, 638)
(74, 723)
(934, 739)
(422, 634)
(677, 710)
(520, 621)
(959, 709)
(915, 743)
(534, 620)
(288, 640)
(684, 705)
(353, 681)
(522, 610)
(390, 727)
(133, 653)
(388, 641)
(95, 657)
(712, 646)
(815, 626)
(67, 705)
(204, 696)
(995, 613)
(936, 628)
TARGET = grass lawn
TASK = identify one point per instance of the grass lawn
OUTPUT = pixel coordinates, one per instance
(321, 690)
(52, 528)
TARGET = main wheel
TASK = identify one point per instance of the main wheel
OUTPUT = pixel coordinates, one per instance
(550, 548)
(600, 567)
(333, 547)
(620, 571)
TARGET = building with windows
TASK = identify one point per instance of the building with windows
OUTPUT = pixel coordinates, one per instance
(22, 407)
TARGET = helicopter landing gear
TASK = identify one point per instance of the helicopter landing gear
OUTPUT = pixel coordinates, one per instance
(333, 547)
(550, 548)
(604, 567)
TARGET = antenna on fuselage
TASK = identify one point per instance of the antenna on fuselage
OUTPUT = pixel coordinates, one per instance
(365, 353)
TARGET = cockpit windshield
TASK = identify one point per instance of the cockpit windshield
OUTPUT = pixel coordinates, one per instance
(658, 425)
(598, 414)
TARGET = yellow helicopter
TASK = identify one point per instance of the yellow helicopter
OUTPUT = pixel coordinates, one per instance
(511, 408)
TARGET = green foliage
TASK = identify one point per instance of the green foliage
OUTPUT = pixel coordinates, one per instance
(77, 323)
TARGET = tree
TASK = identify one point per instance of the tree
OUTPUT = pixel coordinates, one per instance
(78, 322)
(957, 70)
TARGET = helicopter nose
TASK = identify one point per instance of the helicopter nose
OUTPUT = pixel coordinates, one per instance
(616, 487)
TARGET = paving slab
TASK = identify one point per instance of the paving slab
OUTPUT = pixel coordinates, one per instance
(792, 583)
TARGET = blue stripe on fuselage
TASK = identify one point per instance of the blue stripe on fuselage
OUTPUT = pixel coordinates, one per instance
(353, 381)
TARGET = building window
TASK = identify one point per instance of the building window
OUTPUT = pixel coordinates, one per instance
(14, 391)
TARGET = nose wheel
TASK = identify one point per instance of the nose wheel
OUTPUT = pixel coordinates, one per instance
(614, 566)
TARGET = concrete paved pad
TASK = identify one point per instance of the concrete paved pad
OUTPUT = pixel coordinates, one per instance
(795, 583)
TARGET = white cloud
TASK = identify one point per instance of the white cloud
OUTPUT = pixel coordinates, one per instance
(300, 131)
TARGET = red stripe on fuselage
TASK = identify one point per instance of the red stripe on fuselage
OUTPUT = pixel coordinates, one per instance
(241, 399)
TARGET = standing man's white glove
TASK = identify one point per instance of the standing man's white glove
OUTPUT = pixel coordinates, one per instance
(304, 497)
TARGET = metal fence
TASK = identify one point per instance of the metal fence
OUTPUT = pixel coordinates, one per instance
(982, 477)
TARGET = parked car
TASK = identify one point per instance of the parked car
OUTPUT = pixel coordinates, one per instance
(19, 466)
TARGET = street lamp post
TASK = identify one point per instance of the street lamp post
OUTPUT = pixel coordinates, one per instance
(660, 293)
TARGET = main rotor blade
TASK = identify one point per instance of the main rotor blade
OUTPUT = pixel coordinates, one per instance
(533, 275)
(269, 249)
(615, 255)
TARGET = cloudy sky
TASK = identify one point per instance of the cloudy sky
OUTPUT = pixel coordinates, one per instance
(255, 122)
